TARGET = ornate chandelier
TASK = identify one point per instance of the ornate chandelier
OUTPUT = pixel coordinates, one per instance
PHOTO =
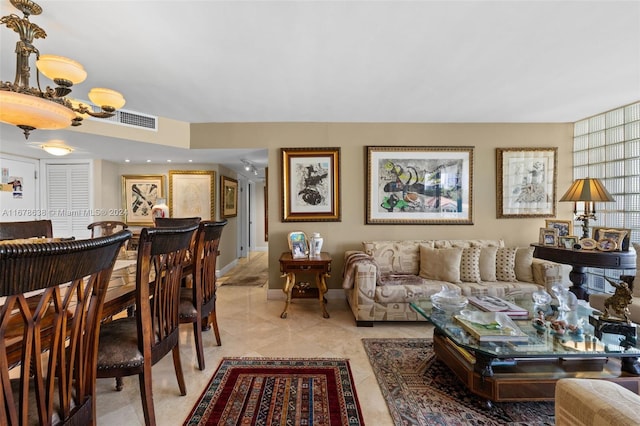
(31, 108)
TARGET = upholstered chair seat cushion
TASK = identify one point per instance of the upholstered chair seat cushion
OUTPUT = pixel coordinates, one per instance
(119, 345)
(186, 309)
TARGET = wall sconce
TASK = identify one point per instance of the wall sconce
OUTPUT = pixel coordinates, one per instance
(588, 191)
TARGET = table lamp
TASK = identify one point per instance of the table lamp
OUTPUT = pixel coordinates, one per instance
(589, 191)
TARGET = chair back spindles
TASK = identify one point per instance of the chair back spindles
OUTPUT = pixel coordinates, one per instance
(52, 295)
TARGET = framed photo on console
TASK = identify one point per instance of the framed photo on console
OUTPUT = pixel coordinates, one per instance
(564, 227)
(621, 236)
(526, 182)
(298, 244)
(548, 237)
(419, 185)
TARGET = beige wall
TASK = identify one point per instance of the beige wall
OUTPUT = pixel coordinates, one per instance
(353, 137)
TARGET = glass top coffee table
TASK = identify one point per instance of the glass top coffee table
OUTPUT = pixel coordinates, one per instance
(527, 369)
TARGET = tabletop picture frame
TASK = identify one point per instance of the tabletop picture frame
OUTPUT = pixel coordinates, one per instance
(298, 244)
(228, 197)
(310, 184)
(622, 236)
(192, 193)
(548, 237)
(526, 182)
(139, 194)
(564, 227)
(429, 185)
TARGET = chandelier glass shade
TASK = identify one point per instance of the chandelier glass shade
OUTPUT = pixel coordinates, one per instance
(32, 108)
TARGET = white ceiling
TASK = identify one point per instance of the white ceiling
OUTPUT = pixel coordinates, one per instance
(341, 61)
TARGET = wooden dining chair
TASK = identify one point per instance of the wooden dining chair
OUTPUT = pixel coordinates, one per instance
(198, 303)
(26, 229)
(51, 305)
(132, 345)
(168, 222)
(106, 227)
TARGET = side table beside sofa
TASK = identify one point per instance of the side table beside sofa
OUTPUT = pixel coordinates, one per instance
(382, 279)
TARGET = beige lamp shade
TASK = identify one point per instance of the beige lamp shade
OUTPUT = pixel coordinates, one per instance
(59, 67)
(106, 97)
(587, 189)
(32, 111)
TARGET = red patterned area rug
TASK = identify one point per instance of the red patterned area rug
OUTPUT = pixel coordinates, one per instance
(265, 391)
(420, 390)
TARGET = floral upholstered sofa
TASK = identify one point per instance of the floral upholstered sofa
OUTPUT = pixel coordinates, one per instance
(385, 276)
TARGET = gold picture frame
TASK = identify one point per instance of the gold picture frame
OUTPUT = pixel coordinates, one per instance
(310, 184)
(568, 241)
(139, 194)
(228, 197)
(428, 185)
(564, 227)
(298, 244)
(526, 182)
(548, 237)
(601, 232)
(192, 193)
(606, 244)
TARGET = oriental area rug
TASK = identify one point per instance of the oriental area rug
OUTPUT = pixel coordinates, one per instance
(420, 390)
(266, 391)
(252, 273)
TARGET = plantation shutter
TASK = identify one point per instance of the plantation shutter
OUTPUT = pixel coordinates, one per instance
(68, 204)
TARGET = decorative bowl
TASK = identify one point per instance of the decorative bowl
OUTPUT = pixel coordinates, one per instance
(449, 301)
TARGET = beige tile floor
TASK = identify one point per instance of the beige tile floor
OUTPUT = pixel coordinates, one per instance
(250, 325)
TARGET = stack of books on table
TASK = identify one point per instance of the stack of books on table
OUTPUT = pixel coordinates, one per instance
(496, 304)
(491, 327)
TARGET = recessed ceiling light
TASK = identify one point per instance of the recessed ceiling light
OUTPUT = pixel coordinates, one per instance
(148, 161)
(127, 160)
(168, 161)
(191, 161)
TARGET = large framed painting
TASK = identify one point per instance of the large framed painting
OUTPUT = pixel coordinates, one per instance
(410, 185)
(310, 184)
(192, 193)
(139, 194)
(526, 182)
(228, 197)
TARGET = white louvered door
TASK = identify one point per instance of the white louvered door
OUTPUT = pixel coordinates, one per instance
(68, 199)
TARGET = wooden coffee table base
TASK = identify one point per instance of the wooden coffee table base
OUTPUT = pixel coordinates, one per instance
(526, 380)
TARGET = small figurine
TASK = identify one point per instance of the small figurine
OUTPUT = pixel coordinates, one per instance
(559, 327)
(539, 322)
(619, 302)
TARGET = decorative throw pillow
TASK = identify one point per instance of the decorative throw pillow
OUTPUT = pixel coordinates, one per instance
(487, 264)
(524, 260)
(506, 264)
(470, 265)
(440, 264)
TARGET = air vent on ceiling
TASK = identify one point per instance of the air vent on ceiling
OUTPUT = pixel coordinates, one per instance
(128, 118)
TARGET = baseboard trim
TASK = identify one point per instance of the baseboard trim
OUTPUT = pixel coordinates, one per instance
(227, 268)
(332, 294)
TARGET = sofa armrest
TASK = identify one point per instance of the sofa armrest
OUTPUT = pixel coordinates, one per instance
(360, 272)
(548, 274)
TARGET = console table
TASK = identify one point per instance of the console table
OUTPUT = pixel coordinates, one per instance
(320, 266)
(581, 259)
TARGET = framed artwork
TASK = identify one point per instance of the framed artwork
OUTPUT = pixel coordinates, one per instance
(410, 185)
(310, 184)
(139, 194)
(606, 244)
(548, 237)
(298, 244)
(228, 197)
(588, 243)
(266, 203)
(192, 193)
(526, 182)
(564, 227)
(600, 232)
(568, 242)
